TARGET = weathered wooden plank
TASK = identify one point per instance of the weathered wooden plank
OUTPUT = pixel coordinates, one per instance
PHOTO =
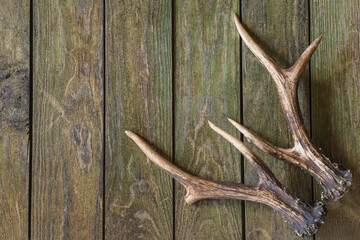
(335, 71)
(281, 28)
(67, 120)
(207, 87)
(139, 196)
(14, 118)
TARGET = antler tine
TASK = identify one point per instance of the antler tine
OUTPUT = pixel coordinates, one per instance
(296, 70)
(291, 74)
(260, 167)
(334, 181)
(306, 219)
(170, 168)
(260, 54)
(277, 152)
(259, 142)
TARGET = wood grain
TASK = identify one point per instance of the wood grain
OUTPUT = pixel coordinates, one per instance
(210, 71)
(335, 105)
(67, 120)
(14, 118)
(139, 195)
(281, 29)
(207, 88)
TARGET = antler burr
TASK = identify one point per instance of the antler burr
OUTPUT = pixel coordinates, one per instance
(335, 182)
(304, 218)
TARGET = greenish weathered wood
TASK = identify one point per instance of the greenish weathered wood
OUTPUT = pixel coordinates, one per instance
(14, 117)
(281, 29)
(207, 88)
(67, 126)
(139, 195)
(335, 71)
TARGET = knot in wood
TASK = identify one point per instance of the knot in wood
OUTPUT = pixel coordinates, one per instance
(14, 97)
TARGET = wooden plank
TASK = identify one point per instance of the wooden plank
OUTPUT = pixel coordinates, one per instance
(335, 82)
(281, 29)
(14, 118)
(67, 120)
(207, 88)
(139, 196)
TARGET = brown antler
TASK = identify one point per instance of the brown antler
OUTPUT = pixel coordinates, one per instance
(334, 181)
(304, 218)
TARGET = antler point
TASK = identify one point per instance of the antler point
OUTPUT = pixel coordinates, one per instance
(211, 123)
(230, 120)
(318, 40)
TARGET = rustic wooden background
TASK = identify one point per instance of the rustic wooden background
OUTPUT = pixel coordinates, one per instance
(74, 74)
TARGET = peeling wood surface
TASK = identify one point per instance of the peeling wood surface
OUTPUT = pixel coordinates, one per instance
(67, 184)
(335, 105)
(284, 37)
(207, 87)
(169, 66)
(14, 118)
(139, 200)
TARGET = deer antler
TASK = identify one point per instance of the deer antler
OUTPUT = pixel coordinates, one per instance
(334, 181)
(304, 218)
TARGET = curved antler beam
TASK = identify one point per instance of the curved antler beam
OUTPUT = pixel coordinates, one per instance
(334, 181)
(305, 219)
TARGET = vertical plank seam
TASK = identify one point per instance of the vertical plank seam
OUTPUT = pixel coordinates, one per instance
(173, 39)
(104, 120)
(310, 102)
(243, 232)
(30, 115)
